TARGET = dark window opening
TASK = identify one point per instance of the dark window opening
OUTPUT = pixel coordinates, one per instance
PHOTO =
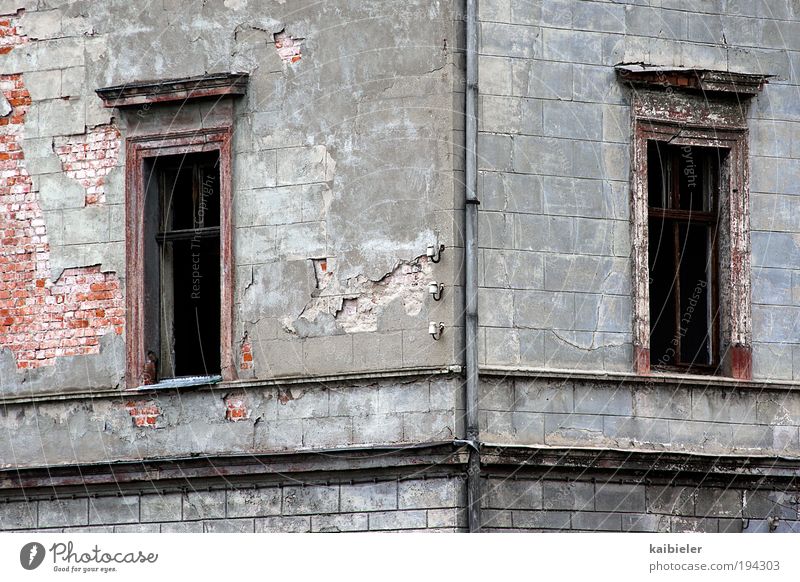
(683, 191)
(182, 266)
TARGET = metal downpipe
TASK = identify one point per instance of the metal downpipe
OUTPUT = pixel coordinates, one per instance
(471, 269)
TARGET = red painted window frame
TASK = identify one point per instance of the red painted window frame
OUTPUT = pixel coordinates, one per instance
(138, 150)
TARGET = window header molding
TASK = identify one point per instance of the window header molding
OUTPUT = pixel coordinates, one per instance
(138, 93)
(691, 79)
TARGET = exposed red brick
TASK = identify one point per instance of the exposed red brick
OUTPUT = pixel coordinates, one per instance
(89, 158)
(236, 408)
(43, 319)
(247, 355)
(11, 35)
(143, 413)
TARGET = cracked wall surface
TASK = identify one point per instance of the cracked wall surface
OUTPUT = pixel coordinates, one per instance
(316, 170)
(554, 173)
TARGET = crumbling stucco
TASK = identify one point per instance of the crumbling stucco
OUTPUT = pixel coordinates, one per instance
(88, 158)
(355, 303)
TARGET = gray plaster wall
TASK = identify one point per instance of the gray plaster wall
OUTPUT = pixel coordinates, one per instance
(346, 156)
(277, 419)
(554, 165)
(407, 504)
(667, 416)
(525, 503)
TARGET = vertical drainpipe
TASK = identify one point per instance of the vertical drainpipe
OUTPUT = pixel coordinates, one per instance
(471, 271)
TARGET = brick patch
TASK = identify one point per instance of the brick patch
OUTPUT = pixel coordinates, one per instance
(89, 158)
(247, 354)
(41, 320)
(10, 33)
(144, 414)
(236, 408)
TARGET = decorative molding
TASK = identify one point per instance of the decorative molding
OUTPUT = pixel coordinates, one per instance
(692, 79)
(139, 93)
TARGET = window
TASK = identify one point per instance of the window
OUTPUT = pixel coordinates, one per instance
(182, 238)
(690, 219)
(682, 189)
(179, 256)
(178, 231)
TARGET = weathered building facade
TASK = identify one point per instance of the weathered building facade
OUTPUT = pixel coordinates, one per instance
(239, 260)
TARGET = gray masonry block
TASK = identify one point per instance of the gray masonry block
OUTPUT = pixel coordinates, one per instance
(543, 396)
(776, 324)
(340, 523)
(431, 493)
(541, 520)
(599, 17)
(513, 494)
(432, 426)
(574, 197)
(413, 397)
(378, 428)
(254, 502)
(183, 527)
(761, 504)
(228, 526)
(544, 233)
(635, 431)
(542, 155)
(368, 496)
(582, 273)
(723, 406)
(773, 361)
(138, 528)
(496, 76)
(574, 495)
(572, 120)
(596, 521)
(635, 522)
(712, 502)
(281, 524)
(496, 307)
(327, 432)
(494, 152)
(615, 498)
(694, 525)
(18, 515)
(161, 507)
(541, 79)
(107, 510)
(496, 230)
(63, 512)
(495, 11)
(609, 399)
(544, 310)
(508, 40)
(572, 428)
(310, 499)
(511, 192)
(203, 505)
(572, 46)
(398, 520)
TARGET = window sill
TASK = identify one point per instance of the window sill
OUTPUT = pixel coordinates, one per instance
(183, 382)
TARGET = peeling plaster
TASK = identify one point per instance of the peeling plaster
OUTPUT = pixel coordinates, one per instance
(355, 303)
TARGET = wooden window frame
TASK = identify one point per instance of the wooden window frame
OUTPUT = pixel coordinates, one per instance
(139, 150)
(734, 226)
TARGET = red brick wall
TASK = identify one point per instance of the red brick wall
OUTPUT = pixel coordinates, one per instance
(88, 158)
(41, 320)
(10, 33)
